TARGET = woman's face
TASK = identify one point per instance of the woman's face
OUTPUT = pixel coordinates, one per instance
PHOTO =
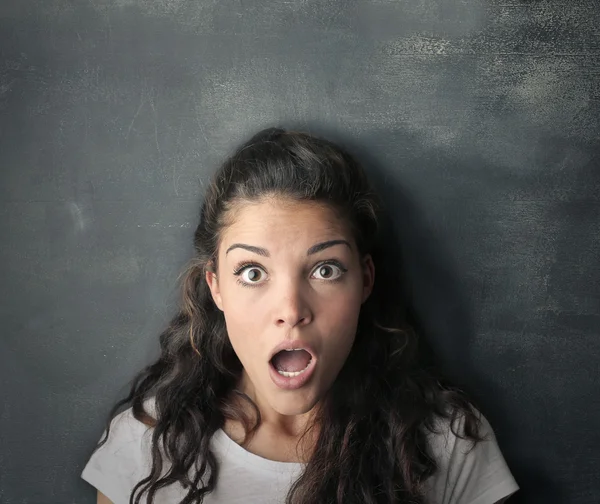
(289, 271)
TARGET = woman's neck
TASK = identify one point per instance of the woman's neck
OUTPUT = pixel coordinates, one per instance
(269, 444)
(273, 441)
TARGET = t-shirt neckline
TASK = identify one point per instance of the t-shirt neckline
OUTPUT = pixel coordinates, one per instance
(251, 459)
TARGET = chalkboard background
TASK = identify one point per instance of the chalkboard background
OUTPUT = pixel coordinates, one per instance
(478, 119)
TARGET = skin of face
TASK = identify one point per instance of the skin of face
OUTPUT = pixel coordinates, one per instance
(290, 297)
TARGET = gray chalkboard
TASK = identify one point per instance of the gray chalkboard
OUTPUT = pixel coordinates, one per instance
(483, 115)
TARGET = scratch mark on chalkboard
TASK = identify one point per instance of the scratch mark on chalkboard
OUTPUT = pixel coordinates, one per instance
(108, 26)
(77, 215)
(197, 108)
(155, 126)
(135, 116)
(162, 226)
(175, 164)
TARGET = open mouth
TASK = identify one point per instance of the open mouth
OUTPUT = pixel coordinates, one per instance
(291, 362)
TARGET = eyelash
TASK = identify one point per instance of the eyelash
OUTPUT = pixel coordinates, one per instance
(239, 269)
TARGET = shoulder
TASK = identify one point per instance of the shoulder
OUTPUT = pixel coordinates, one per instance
(125, 429)
(469, 472)
(124, 459)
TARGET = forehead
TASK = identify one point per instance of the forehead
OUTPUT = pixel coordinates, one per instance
(278, 221)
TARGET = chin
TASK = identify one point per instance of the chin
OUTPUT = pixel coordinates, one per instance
(293, 405)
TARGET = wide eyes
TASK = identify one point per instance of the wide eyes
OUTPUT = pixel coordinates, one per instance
(328, 271)
(253, 275)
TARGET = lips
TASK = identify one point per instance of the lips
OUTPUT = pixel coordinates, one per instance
(292, 382)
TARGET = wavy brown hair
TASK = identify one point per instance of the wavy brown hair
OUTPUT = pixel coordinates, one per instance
(372, 443)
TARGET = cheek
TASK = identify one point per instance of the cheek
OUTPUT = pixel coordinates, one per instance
(346, 301)
(243, 321)
(240, 337)
(242, 311)
(240, 322)
(339, 317)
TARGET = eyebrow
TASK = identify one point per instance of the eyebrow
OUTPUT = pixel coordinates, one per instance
(312, 250)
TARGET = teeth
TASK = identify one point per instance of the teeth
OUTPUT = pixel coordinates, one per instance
(294, 373)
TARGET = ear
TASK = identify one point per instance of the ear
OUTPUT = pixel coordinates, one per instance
(213, 285)
(368, 268)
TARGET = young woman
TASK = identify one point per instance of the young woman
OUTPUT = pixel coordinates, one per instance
(291, 375)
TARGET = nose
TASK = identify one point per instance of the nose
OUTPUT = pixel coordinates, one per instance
(292, 307)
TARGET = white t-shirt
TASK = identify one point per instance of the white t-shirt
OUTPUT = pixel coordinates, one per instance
(479, 477)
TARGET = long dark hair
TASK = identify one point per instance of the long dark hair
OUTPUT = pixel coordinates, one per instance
(372, 444)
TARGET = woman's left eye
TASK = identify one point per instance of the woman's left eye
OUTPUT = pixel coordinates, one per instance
(329, 271)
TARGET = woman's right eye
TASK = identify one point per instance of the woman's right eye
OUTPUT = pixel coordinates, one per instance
(250, 275)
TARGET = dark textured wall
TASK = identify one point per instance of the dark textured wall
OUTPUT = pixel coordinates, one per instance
(484, 115)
